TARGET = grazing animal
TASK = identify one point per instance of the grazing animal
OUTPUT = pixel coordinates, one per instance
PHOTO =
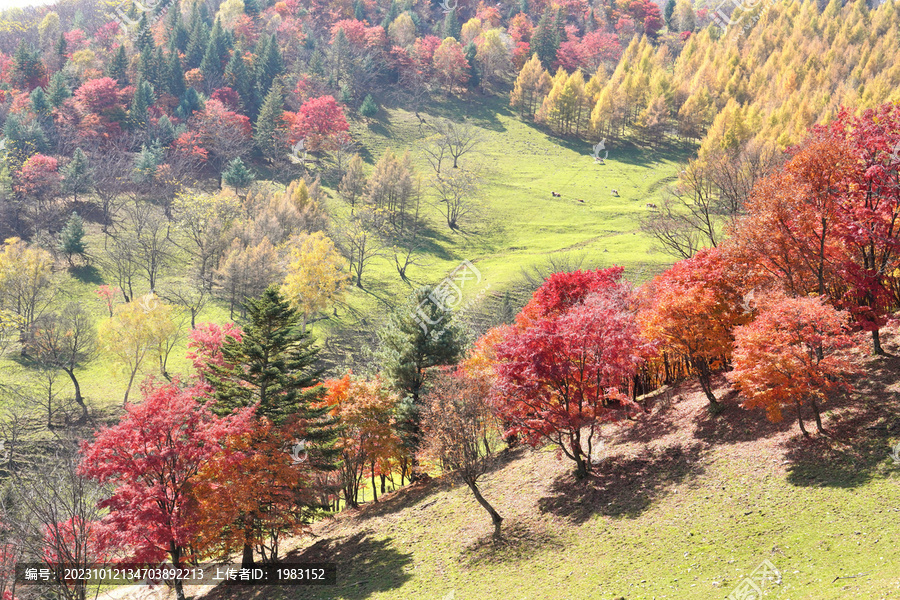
(651, 206)
(615, 192)
(580, 200)
(555, 195)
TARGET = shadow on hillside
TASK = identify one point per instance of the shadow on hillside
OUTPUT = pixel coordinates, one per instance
(622, 486)
(481, 113)
(365, 566)
(858, 439)
(518, 541)
(87, 274)
(733, 423)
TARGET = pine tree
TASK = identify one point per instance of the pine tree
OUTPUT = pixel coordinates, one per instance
(138, 116)
(40, 104)
(273, 364)
(77, 175)
(61, 49)
(451, 26)
(359, 11)
(269, 127)
(190, 103)
(368, 108)
(58, 90)
(147, 68)
(545, 41)
(238, 79)
(237, 175)
(144, 38)
(118, 66)
(175, 84)
(267, 65)
(668, 11)
(197, 44)
(71, 238)
(179, 36)
(418, 335)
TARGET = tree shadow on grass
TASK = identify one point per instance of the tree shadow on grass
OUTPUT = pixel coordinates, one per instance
(87, 274)
(622, 486)
(365, 566)
(518, 541)
(734, 424)
(861, 429)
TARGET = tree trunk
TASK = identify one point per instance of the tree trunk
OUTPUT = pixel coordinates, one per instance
(800, 420)
(128, 389)
(247, 557)
(876, 343)
(374, 488)
(78, 399)
(815, 408)
(496, 519)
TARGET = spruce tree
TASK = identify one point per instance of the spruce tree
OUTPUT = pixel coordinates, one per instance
(144, 37)
(58, 90)
(77, 175)
(138, 116)
(71, 238)
(368, 108)
(417, 336)
(175, 84)
(668, 11)
(238, 79)
(236, 175)
(451, 26)
(61, 49)
(273, 364)
(197, 44)
(190, 103)
(118, 66)
(269, 124)
(545, 41)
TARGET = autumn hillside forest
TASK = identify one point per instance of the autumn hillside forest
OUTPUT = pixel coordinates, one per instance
(450, 299)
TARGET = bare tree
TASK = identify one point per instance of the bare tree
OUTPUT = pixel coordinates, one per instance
(65, 341)
(408, 241)
(152, 243)
(119, 260)
(448, 140)
(457, 423)
(55, 514)
(709, 196)
(359, 242)
(456, 192)
(112, 168)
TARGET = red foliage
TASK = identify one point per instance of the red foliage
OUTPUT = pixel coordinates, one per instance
(227, 96)
(570, 367)
(353, 29)
(151, 458)
(318, 121)
(792, 353)
(99, 96)
(520, 28)
(39, 177)
(205, 345)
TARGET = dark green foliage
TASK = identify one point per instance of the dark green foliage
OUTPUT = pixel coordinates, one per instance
(40, 104)
(545, 41)
(359, 11)
(71, 238)
(23, 141)
(197, 44)
(668, 11)
(251, 8)
(418, 335)
(147, 67)
(471, 52)
(269, 126)
(77, 175)
(368, 108)
(27, 71)
(163, 131)
(146, 162)
(58, 90)
(237, 175)
(138, 117)
(118, 66)
(174, 83)
(273, 364)
(451, 26)
(267, 66)
(179, 36)
(61, 48)
(189, 104)
(144, 39)
(238, 79)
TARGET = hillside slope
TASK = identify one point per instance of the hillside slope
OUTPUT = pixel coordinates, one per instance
(683, 505)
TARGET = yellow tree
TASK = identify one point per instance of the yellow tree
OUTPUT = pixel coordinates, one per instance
(316, 275)
(137, 329)
(26, 282)
(531, 86)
